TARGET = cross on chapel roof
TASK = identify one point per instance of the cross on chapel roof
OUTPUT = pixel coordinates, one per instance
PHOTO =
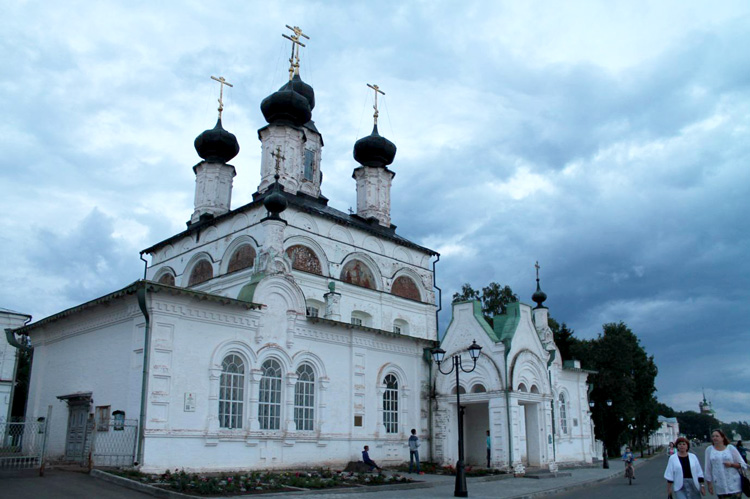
(294, 58)
(222, 82)
(377, 91)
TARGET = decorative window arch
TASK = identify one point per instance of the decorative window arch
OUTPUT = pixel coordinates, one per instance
(400, 326)
(314, 308)
(390, 403)
(459, 389)
(478, 388)
(269, 403)
(231, 392)
(522, 388)
(534, 389)
(358, 273)
(304, 259)
(201, 272)
(405, 287)
(167, 278)
(242, 258)
(304, 398)
(563, 414)
(360, 318)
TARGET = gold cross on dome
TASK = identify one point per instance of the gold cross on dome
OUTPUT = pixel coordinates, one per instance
(296, 44)
(377, 91)
(222, 82)
(537, 269)
(279, 158)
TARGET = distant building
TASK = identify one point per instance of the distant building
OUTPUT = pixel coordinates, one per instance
(668, 431)
(706, 407)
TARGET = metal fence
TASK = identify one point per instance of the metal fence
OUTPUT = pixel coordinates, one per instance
(23, 443)
(113, 443)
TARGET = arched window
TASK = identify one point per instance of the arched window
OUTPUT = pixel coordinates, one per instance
(522, 388)
(390, 404)
(534, 389)
(167, 279)
(304, 398)
(405, 287)
(478, 389)
(400, 326)
(357, 273)
(269, 405)
(461, 390)
(304, 259)
(242, 258)
(231, 392)
(202, 272)
(563, 414)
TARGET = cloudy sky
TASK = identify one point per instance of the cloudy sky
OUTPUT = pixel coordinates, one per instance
(608, 140)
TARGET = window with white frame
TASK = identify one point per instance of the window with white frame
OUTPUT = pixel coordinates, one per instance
(269, 405)
(304, 398)
(400, 326)
(563, 415)
(390, 404)
(231, 392)
(311, 311)
(360, 318)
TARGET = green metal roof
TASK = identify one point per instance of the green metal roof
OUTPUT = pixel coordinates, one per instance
(477, 312)
(506, 323)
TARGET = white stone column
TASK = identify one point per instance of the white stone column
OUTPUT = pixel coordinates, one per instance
(254, 376)
(333, 306)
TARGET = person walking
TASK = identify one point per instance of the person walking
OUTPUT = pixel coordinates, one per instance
(741, 449)
(369, 462)
(723, 464)
(414, 451)
(684, 474)
(489, 449)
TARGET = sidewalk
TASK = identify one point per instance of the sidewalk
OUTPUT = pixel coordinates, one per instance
(432, 486)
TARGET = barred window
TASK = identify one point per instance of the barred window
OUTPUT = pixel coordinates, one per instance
(231, 392)
(563, 415)
(304, 398)
(390, 404)
(269, 407)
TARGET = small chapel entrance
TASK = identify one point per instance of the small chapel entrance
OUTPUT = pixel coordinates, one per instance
(476, 424)
(78, 425)
(532, 433)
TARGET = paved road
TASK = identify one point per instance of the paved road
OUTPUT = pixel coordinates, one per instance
(649, 482)
(58, 484)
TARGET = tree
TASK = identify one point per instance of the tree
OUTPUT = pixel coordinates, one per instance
(696, 425)
(626, 376)
(493, 298)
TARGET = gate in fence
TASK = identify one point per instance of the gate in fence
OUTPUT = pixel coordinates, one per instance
(113, 443)
(24, 442)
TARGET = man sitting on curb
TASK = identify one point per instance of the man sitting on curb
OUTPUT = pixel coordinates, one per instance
(369, 462)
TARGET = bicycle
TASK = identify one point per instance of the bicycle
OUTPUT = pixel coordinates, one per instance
(629, 472)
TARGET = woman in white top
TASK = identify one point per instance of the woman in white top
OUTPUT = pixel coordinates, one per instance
(684, 474)
(723, 463)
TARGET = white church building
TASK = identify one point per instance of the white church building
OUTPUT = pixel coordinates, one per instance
(285, 333)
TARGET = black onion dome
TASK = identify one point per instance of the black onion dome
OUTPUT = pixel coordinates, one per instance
(286, 106)
(217, 145)
(539, 296)
(301, 88)
(374, 150)
(275, 202)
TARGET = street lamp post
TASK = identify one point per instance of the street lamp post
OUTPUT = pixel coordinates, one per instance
(605, 461)
(438, 354)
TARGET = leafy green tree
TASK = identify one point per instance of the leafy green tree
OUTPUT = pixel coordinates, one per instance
(493, 298)
(625, 376)
(696, 425)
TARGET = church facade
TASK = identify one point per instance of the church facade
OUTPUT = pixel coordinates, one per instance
(285, 333)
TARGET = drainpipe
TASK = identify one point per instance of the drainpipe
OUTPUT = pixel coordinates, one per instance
(507, 410)
(552, 354)
(11, 337)
(141, 294)
(145, 266)
(428, 354)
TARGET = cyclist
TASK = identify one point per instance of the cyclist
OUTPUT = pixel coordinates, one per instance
(628, 458)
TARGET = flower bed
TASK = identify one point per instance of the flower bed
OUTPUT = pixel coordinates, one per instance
(255, 482)
(434, 469)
